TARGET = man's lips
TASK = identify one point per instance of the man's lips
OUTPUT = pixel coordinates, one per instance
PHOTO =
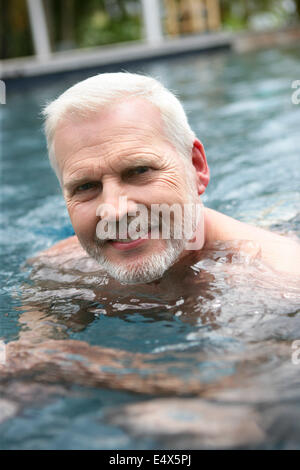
(127, 245)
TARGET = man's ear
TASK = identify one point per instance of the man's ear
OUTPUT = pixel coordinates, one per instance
(200, 164)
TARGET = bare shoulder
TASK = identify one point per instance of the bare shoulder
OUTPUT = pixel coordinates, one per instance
(278, 251)
(286, 257)
(62, 251)
(63, 246)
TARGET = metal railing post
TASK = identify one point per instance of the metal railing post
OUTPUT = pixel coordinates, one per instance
(39, 29)
(152, 21)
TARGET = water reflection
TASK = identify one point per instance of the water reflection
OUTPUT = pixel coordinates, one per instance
(202, 359)
(178, 337)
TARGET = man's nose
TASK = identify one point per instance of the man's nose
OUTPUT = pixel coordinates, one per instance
(115, 202)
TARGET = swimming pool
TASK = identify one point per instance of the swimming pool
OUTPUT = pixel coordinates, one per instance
(201, 363)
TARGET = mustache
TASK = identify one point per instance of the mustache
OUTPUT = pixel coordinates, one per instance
(169, 224)
(120, 229)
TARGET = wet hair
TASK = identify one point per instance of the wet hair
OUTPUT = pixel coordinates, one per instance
(99, 91)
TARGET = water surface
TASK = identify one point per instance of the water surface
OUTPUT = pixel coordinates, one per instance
(201, 359)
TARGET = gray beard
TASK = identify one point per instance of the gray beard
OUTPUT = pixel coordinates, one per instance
(149, 269)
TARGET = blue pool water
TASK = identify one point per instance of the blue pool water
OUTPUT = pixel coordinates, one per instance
(204, 362)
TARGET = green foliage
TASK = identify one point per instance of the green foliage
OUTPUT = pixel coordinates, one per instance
(259, 14)
(15, 37)
(88, 23)
(99, 29)
(94, 22)
(234, 23)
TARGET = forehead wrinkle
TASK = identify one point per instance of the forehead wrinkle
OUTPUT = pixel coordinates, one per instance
(117, 138)
(115, 155)
(79, 175)
(81, 146)
(124, 160)
(74, 163)
(96, 168)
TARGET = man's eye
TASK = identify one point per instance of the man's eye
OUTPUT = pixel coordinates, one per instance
(86, 187)
(138, 170)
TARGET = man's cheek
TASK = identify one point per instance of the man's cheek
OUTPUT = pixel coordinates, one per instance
(84, 221)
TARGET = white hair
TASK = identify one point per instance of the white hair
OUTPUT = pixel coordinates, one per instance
(94, 93)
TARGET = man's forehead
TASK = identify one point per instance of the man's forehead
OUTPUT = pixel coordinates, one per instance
(131, 109)
(136, 114)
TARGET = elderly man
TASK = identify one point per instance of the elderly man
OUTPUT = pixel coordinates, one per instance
(120, 143)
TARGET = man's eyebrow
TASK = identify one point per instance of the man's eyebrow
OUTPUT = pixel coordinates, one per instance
(70, 184)
(126, 163)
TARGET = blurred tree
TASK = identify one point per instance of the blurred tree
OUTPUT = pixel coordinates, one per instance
(3, 37)
(88, 23)
(109, 21)
(67, 24)
(93, 22)
(240, 13)
(297, 3)
(15, 33)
